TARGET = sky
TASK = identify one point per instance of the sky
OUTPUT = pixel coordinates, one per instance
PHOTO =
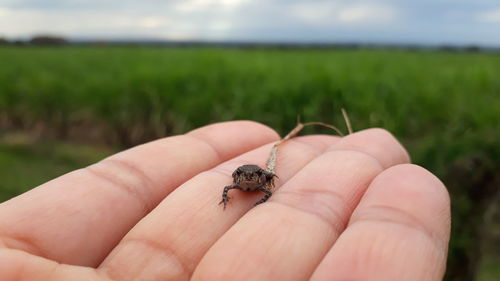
(428, 22)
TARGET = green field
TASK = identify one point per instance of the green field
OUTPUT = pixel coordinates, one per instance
(26, 162)
(444, 107)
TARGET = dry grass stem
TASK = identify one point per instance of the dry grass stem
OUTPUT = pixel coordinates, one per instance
(347, 121)
(271, 162)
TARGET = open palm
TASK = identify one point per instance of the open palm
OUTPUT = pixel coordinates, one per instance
(348, 208)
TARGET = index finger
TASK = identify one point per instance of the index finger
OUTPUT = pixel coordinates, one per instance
(79, 217)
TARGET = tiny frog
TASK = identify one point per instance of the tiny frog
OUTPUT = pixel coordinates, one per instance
(250, 178)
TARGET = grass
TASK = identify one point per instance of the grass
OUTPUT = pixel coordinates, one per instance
(489, 270)
(442, 106)
(411, 93)
(26, 162)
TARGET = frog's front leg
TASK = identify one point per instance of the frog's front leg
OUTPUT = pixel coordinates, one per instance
(268, 193)
(226, 198)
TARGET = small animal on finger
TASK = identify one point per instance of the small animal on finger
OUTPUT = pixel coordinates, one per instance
(254, 178)
(250, 178)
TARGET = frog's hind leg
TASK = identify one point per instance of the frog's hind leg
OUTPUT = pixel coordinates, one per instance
(226, 198)
(268, 193)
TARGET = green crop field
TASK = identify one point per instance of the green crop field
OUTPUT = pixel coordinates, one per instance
(443, 106)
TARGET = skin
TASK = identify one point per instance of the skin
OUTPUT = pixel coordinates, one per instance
(348, 208)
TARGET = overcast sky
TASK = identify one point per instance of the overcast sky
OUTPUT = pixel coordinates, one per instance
(369, 21)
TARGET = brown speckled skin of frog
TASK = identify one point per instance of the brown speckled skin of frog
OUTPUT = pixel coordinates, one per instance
(250, 178)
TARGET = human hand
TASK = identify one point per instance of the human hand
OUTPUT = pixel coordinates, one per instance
(346, 208)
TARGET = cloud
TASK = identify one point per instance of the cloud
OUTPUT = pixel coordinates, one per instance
(338, 12)
(149, 22)
(490, 16)
(200, 5)
(3, 11)
(424, 21)
(367, 13)
(26, 23)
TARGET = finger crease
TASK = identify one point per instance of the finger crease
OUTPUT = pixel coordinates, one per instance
(110, 170)
(21, 243)
(393, 215)
(217, 153)
(52, 272)
(327, 205)
(168, 252)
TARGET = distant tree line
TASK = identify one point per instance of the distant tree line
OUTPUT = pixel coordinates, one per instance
(36, 40)
(53, 40)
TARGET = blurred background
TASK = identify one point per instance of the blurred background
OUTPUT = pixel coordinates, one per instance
(80, 80)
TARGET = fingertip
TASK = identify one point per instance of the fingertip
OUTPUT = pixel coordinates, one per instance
(411, 195)
(377, 142)
(411, 176)
(248, 126)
